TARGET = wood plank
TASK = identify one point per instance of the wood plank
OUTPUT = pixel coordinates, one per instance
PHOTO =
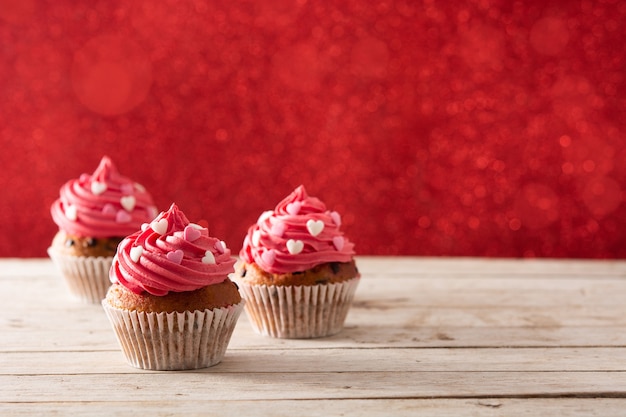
(363, 336)
(337, 360)
(45, 293)
(410, 266)
(445, 290)
(527, 407)
(444, 336)
(381, 312)
(428, 266)
(197, 385)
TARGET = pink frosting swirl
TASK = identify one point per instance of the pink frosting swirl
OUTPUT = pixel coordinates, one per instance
(103, 204)
(170, 254)
(297, 235)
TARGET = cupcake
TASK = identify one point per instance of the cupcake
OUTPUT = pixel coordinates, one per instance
(171, 303)
(94, 213)
(297, 272)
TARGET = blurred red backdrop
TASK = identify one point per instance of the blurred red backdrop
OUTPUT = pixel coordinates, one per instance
(484, 128)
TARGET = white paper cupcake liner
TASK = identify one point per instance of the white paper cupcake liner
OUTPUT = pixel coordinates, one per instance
(298, 312)
(174, 341)
(86, 278)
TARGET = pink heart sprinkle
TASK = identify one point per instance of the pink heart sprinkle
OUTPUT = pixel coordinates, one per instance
(109, 209)
(269, 257)
(175, 256)
(278, 229)
(84, 178)
(294, 208)
(127, 188)
(338, 242)
(191, 233)
(122, 216)
(336, 218)
(220, 246)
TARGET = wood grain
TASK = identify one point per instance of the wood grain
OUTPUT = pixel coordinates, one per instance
(437, 336)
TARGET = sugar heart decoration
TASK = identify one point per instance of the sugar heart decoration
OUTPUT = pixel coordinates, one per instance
(336, 218)
(135, 253)
(175, 256)
(196, 226)
(294, 208)
(159, 226)
(220, 246)
(71, 213)
(140, 187)
(144, 227)
(338, 241)
(278, 229)
(191, 233)
(264, 216)
(208, 258)
(269, 256)
(128, 202)
(98, 187)
(109, 209)
(127, 188)
(315, 227)
(122, 217)
(256, 237)
(295, 246)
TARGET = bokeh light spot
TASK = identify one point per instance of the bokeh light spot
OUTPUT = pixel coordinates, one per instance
(369, 58)
(221, 135)
(536, 206)
(515, 224)
(567, 168)
(565, 141)
(602, 196)
(16, 11)
(424, 222)
(482, 47)
(298, 67)
(549, 35)
(111, 75)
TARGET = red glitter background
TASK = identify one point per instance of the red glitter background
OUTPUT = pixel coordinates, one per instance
(482, 128)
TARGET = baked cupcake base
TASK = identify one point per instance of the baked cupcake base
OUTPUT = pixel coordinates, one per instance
(298, 312)
(86, 277)
(175, 340)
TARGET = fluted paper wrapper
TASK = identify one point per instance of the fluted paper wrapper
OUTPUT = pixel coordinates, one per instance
(174, 341)
(298, 312)
(86, 278)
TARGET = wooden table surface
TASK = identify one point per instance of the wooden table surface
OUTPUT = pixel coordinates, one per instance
(428, 336)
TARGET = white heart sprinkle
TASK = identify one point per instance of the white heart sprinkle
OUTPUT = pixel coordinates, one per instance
(128, 202)
(98, 187)
(315, 227)
(135, 253)
(140, 187)
(144, 226)
(71, 213)
(295, 246)
(196, 226)
(208, 258)
(256, 237)
(264, 216)
(159, 226)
